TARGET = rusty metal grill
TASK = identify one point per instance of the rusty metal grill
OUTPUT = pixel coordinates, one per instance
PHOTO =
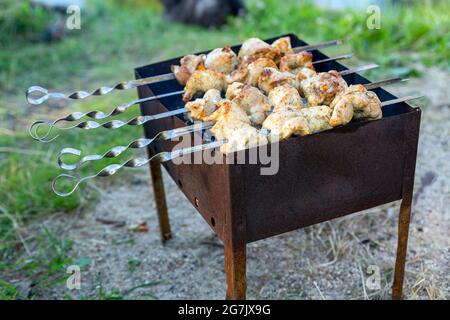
(321, 176)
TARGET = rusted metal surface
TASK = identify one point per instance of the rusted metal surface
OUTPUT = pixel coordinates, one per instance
(411, 142)
(160, 199)
(320, 177)
(235, 270)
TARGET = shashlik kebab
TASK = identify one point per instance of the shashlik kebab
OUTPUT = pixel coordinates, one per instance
(220, 59)
(206, 84)
(170, 155)
(284, 99)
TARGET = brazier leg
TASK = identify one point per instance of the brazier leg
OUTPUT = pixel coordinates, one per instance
(235, 270)
(160, 199)
(402, 246)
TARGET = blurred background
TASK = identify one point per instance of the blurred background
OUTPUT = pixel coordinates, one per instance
(114, 37)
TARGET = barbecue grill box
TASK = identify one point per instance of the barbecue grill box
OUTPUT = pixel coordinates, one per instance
(321, 177)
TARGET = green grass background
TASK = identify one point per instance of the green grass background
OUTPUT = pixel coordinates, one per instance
(117, 36)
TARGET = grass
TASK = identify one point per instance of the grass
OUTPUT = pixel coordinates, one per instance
(110, 44)
(43, 267)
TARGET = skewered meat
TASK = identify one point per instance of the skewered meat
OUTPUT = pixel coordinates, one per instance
(240, 138)
(283, 45)
(221, 60)
(228, 111)
(203, 107)
(251, 100)
(250, 73)
(294, 62)
(285, 97)
(202, 81)
(233, 124)
(256, 68)
(321, 88)
(255, 48)
(188, 65)
(305, 73)
(285, 123)
(271, 78)
(318, 118)
(355, 102)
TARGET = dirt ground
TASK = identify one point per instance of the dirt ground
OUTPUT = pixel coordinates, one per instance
(325, 261)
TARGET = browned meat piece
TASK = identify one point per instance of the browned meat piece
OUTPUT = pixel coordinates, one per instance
(321, 88)
(355, 102)
(188, 65)
(294, 62)
(204, 107)
(233, 125)
(271, 78)
(222, 60)
(251, 100)
(285, 123)
(283, 45)
(285, 97)
(202, 81)
(255, 48)
(251, 72)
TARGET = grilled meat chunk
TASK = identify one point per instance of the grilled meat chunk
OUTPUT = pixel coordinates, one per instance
(204, 107)
(250, 73)
(202, 81)
(283, 45)
(251, 100)
(271, 78)
(222, 60)
(285, 123)
(255, 48)
(294, 62)
(321, 88)
(355, 102)
(233, 125)
(318, 118)
(285, 97)
(188, 65)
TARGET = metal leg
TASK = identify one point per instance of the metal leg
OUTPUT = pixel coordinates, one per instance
(402, 246)
(160, 198)
(235, 269)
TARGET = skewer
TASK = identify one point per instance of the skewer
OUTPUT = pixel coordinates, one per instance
(136, 144)
(133, 163)
(165, 135)
(164, 156)
(37, 95)
(99, 115)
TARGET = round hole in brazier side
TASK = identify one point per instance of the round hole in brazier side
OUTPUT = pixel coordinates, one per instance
(213, 222)
(180, 184)
(196, 201)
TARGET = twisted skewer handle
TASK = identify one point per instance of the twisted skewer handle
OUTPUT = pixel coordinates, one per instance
(136, 144)
(38, 95)
(94, 114)
(131, 163)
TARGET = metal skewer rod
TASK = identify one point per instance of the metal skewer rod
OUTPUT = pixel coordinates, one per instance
(37, 95)
(164, 135)
(164, 156)
(136, 144)
(132, 163)
(402, 99)
(98, 115)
